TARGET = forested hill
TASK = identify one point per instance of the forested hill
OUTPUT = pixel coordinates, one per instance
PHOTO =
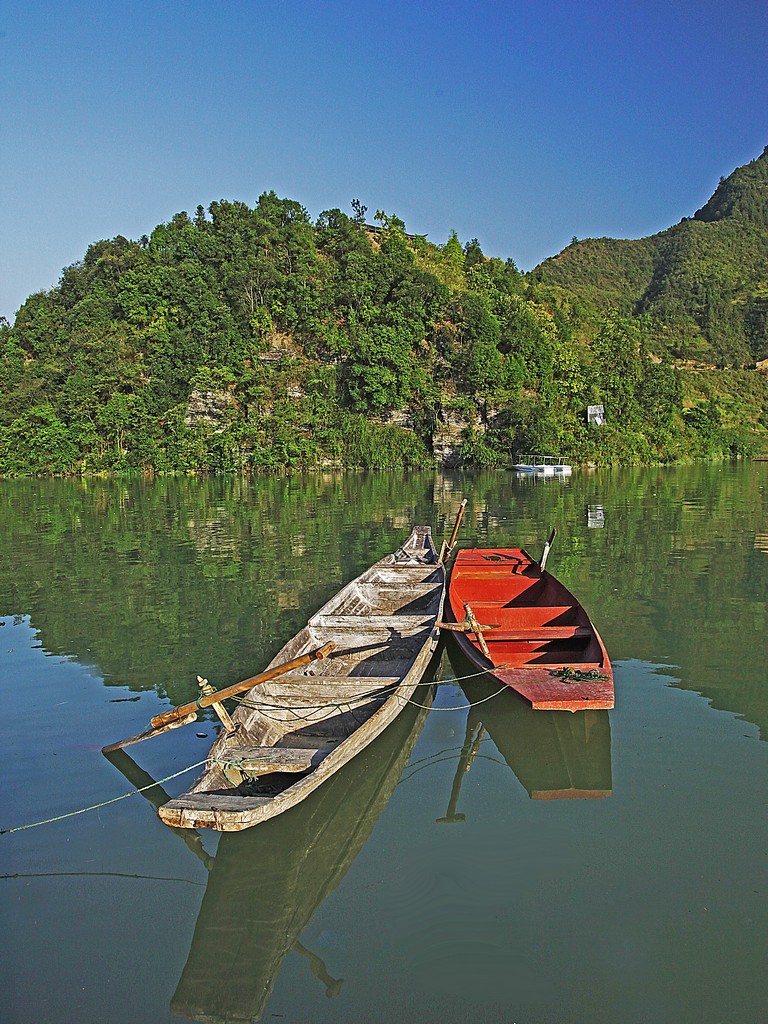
(251, 339)
(704, 281)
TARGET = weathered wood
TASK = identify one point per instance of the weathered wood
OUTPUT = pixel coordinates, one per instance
(160, 721)
(547, 549)
(367, 622)
(266, 884)
(226, 802)
(457, 524)
(264, 760)
(396, 574)
(461, 627)
(341, 683)
(477, 629)
(111, 747)
(322, 691)
(220, 710)
(380, 659)
(187, 713)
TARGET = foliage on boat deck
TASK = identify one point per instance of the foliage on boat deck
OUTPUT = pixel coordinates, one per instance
(577, 675)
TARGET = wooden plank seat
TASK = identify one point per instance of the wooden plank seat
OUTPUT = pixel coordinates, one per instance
(263, 760)
(399, 573)
(491, 571)
(331, 686)
(537, 633)
(366, 622)
(217, 802)
(525, 616)
(325, 691)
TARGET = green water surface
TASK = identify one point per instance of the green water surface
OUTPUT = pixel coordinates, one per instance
(475, 864)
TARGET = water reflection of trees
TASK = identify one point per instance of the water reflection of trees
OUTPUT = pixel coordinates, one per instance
(154, 581)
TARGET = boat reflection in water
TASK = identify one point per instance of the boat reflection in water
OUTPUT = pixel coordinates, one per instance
(554, 754)
(266, 883)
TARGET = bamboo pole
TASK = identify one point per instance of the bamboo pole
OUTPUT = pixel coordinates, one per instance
(186, 713)
(457, 524)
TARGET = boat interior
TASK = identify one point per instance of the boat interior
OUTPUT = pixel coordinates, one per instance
(288, 726)
(532, 619)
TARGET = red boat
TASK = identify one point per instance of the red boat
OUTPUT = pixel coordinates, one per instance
(515, 621)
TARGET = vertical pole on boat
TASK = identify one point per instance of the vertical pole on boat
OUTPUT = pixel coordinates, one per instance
(456, 526)
(206, 690)
(547, 549)
(477, 629)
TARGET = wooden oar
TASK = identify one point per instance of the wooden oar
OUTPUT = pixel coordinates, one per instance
(186, 713)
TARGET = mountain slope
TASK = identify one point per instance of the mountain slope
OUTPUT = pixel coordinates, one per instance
(704, 281)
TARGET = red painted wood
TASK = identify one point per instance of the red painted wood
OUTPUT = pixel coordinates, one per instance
(540, 628)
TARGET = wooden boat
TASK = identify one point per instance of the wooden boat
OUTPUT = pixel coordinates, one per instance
(246, 927)
(525, 628)
(293, 732)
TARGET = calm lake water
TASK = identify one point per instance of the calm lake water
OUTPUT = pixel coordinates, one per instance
(486, 864)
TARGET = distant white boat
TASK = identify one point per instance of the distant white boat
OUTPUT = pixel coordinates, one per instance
(542, 465)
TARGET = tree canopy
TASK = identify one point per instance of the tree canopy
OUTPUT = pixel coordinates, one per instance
(252, 339)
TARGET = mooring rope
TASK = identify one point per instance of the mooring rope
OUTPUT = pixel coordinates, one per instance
(264, 706)
(257, 706)
(429, 764)
(104, 803)
(456, 707)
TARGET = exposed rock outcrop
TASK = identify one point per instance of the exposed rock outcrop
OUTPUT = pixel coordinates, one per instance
(208, 408)
(449, 435)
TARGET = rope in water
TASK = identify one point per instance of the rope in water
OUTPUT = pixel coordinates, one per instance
(199, 764)
(104, 803)
(456, 707)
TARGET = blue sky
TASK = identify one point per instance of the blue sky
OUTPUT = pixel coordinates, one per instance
(519, 123)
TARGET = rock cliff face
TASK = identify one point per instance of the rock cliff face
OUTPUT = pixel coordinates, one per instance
(213, 409)
(208, 408)
(449, 436)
